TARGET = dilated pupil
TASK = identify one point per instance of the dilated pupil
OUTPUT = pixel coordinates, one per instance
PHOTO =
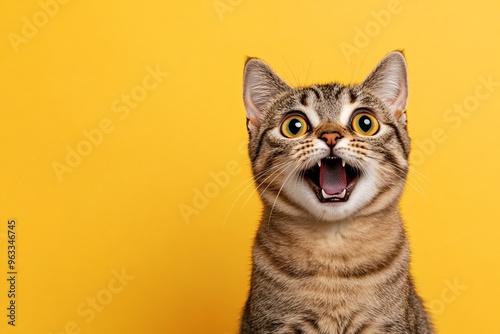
(294, 126)
(365, 123)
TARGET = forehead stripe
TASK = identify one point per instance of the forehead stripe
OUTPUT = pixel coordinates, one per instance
(316, 92)
(303, 99)
(353, 96)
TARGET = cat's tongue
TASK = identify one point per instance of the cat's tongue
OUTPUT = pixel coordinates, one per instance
(332, 176)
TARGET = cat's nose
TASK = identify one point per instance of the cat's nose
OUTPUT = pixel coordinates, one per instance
(331, 138)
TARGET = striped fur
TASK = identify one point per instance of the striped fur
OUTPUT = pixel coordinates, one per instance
(330, 268)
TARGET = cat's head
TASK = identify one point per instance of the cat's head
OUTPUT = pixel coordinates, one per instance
(331, 151)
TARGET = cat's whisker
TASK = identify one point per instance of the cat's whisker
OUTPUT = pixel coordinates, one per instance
(353, 70)
(245, 182)
(279, 192)
(272, 170)
(419, 174)
(297, 82)
(277, 171)
(277, 167)
(386, 170)
(255, 178)
(396, 166)
(420, 189)
(308, 69)
(361, 65)
(416, 187)
(299, 176)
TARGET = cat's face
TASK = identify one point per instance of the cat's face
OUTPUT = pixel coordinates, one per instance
(330, 151)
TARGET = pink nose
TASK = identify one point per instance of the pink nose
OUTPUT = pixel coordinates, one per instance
(330, 138)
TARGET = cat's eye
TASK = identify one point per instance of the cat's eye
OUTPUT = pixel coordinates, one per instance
(294, 126)
(365, 124)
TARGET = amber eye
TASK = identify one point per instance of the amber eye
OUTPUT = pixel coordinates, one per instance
(294, 126)
(365, 124)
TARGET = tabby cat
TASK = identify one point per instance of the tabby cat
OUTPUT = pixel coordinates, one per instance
(330, 161)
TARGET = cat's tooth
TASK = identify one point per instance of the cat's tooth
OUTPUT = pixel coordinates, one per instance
(343, 164)
(341, 195)
(319, 163)
(325, 195)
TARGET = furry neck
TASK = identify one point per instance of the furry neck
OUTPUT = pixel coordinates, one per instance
(356, 247)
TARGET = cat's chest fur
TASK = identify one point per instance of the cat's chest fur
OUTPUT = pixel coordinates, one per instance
(330, 280)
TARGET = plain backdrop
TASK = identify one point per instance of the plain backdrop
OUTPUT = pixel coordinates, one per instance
(123, 162)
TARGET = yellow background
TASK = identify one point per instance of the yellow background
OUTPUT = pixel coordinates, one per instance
(120, 208)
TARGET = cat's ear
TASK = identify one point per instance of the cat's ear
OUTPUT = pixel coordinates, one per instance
(260, 86)
(389, 81)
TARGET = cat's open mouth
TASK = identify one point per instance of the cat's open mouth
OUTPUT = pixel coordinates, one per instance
(332, 179)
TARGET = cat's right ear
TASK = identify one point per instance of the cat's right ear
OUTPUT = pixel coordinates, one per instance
(389, 81)
(260, 86)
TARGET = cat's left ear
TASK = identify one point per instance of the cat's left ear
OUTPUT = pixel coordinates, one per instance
(389, 81)
(260, 86)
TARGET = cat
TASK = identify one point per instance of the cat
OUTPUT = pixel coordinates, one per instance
(330, 162)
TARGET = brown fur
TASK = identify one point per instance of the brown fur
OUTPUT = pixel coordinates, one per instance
(330, 268)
